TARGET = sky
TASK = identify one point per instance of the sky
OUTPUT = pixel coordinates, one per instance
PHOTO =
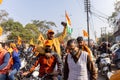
(54, 10)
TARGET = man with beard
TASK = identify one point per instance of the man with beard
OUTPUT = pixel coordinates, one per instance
(83, 46)
(78, 64)
(47, 64)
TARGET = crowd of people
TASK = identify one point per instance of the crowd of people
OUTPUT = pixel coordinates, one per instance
(73, 61)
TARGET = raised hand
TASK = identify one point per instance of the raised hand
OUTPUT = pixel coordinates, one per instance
(64, 24)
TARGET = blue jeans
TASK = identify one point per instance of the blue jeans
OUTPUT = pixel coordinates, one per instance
(11, 74)
(3, 76)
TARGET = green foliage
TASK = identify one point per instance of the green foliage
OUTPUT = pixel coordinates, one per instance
(31, 30)
(43, 26)
(26, 33)
(10, 25)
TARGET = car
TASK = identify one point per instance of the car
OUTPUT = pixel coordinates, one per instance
(116, 57)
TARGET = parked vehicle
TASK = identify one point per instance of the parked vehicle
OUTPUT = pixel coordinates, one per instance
(116, 57)
(105, 64)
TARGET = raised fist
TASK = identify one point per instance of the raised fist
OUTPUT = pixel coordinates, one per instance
(64, 24)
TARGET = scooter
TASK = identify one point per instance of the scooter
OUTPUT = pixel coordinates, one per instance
(105, 64)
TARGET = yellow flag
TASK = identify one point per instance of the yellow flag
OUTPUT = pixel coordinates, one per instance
(1, 1)
(1, 30)
(19, 40)
(41, 38)
(85, 34)
(31, 42)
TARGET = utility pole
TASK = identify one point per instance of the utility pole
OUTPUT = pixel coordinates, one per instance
(87, 10)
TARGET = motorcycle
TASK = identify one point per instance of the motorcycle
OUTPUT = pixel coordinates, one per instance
(105, 64)
(35, 75)
(26, 63)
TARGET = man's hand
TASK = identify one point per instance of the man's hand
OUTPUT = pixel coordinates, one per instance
(64, 24)
(25, 73)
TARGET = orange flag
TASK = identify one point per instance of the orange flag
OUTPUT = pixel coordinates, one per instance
(31, 42)
(19, 40)
(1, 1)
(41, 38)
(1, 30)
(85, 34)
(67, 18)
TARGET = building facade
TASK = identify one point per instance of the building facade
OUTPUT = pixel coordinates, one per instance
(117, 21)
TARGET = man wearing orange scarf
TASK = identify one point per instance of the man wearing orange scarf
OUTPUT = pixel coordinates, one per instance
(84, 47)
(5, 61)
(47, 64)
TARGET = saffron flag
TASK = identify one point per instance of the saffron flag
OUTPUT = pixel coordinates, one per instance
(1, 30)
(31, 42)
(41, 38)
(19, 40)
(85, 34)
(69, 28)
(1, 1)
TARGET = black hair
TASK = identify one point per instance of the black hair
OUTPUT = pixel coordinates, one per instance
(109, 45)
(5, 44)
(71, 41)
(104, 44)
(80, 38)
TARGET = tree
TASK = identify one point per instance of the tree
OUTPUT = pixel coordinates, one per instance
(33, 31)
(10, 26)
(43, 26)
(3, 16)
(14, 29)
